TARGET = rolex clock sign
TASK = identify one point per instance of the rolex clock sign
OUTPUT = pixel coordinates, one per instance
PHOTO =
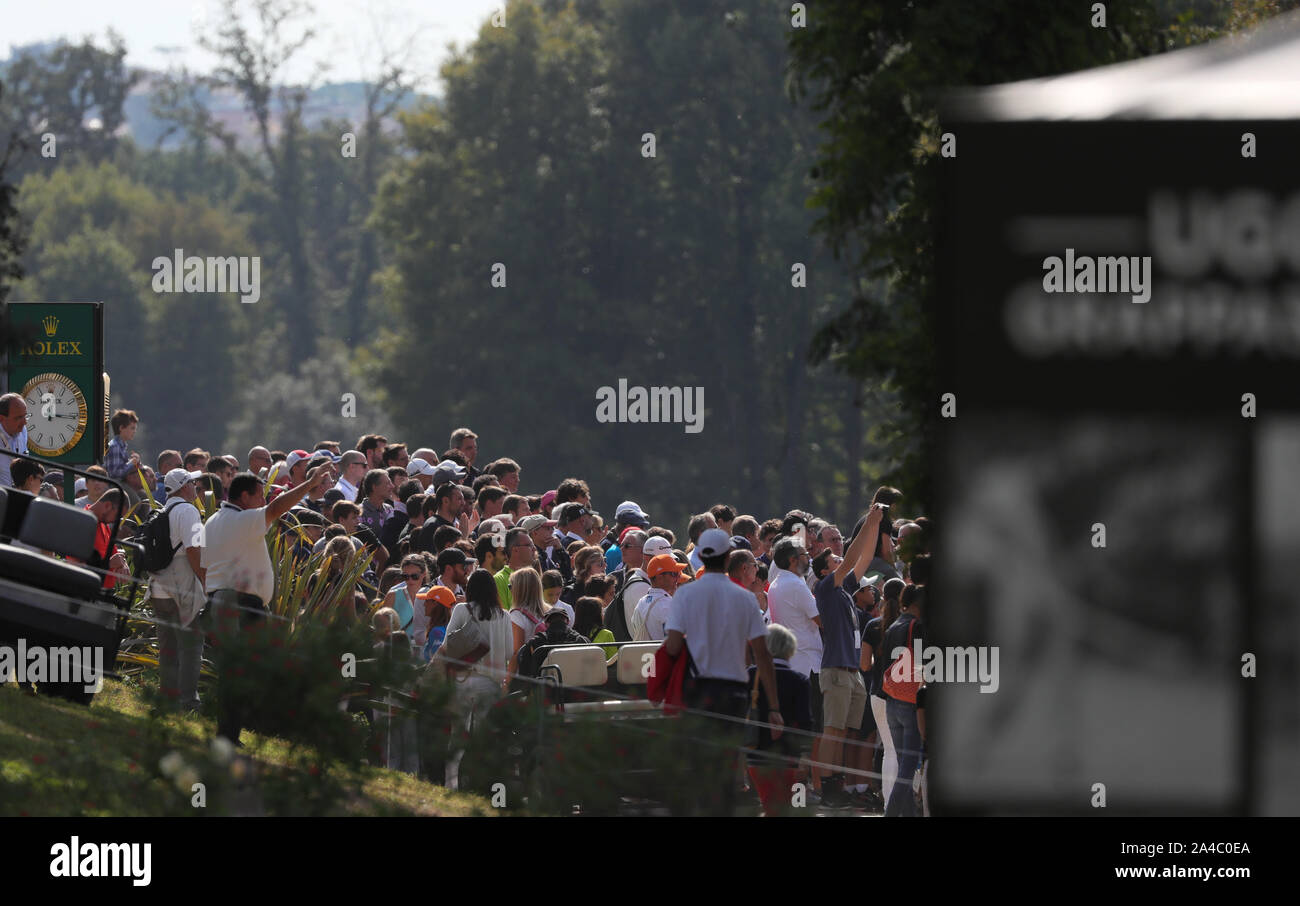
(56, 361)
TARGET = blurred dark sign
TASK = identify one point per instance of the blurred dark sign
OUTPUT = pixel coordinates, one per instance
(1120, 265)
(1108, 292)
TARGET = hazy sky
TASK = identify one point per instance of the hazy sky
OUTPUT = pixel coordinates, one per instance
(161, 33)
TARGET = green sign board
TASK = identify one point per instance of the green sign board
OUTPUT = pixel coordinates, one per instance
(56, 361)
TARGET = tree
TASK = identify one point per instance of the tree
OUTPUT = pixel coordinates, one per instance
(11, 239)
(74, 92)
(385, 93)
(875, 71)
(94, 236)
(252, 64)
(665, 270)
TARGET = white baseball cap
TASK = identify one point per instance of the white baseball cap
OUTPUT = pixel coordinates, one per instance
(176, 479)
(630, 512)
(419, 466)
(714, 542)
(656, 545)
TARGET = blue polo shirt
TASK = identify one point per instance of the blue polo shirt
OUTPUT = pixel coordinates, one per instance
(839, 621)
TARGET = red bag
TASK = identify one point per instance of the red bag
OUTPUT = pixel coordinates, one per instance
(667, 681)
(900, 676)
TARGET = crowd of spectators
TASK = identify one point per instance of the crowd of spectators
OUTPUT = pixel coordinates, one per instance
(782, 613)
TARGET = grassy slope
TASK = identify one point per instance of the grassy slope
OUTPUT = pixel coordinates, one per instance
(61, 759)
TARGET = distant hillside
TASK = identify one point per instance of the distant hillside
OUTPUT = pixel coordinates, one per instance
(340, 102)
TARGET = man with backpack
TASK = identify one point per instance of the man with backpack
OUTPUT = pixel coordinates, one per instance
(173, 539)
(633, 584)
(651, 614)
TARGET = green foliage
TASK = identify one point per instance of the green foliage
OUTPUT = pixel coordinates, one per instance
(74, 92)
(94, 234)
(672, 270)
(12, 241)
(306, 403)
(875, 71)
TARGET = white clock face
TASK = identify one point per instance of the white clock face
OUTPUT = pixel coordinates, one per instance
(56, 414)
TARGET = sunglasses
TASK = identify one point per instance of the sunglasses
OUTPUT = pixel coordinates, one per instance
(412, 577)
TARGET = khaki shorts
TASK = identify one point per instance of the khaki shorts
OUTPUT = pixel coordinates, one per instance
(844, 698)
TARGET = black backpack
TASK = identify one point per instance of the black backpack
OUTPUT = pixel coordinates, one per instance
(615, 617)
(528, 660)
(156, 536)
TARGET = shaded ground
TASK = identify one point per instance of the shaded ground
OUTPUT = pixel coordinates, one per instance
(60, 759)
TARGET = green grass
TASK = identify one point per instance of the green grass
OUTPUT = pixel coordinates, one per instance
(61, 759)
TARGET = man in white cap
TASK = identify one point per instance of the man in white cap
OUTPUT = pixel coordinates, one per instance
(295, 469)
(714, 618)
(421, 470)
(315, 499)
(177, 594)
(628, 514)
(542, 531)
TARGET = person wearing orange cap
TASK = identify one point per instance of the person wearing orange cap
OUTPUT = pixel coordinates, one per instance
(651, 612)
(438, 602)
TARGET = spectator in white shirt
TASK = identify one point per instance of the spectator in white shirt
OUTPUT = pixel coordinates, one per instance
(651, 614)
(177, 594)
(715, 619)
(352, 470)
(239, 577)
(13, 433)
(696, 527)
(790, 602)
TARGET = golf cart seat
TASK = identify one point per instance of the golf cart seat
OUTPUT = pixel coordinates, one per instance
(49, 525)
